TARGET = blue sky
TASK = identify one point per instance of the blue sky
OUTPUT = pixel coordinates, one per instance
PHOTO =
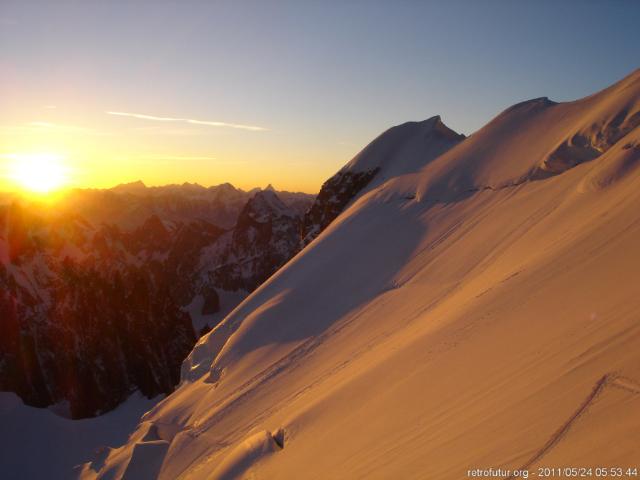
(320, 79)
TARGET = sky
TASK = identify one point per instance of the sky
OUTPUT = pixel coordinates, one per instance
(281, 92)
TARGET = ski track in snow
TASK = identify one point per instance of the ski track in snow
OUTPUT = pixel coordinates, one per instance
(250, 388)
(241, 393)
(608, 380)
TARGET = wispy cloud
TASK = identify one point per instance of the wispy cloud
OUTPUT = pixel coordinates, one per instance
(164, 130)
(188, 120)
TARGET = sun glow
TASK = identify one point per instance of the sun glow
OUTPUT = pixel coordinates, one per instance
(39, 173)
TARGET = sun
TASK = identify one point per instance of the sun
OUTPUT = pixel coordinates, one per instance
(39, 173)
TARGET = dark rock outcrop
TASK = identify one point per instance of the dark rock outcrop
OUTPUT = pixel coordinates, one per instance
(334, 196)
(86, 331)
(211, 301)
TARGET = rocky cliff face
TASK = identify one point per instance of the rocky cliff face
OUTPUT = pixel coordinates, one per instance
(88, 315)
(334, 196)
(90, 312)
(265, 237)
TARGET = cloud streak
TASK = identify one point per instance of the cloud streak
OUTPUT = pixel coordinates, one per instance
(191, 121)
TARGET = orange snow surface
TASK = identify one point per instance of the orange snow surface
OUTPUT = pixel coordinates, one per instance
(480, 312)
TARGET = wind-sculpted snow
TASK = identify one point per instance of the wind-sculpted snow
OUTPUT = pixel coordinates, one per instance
(454, 316)
(245, 455)
(534, 140)
(589, 142)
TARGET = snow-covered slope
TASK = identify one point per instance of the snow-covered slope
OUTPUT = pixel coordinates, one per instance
(400, 150)
(478, 311)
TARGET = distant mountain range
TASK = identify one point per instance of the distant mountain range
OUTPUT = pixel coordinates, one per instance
(107, 292)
